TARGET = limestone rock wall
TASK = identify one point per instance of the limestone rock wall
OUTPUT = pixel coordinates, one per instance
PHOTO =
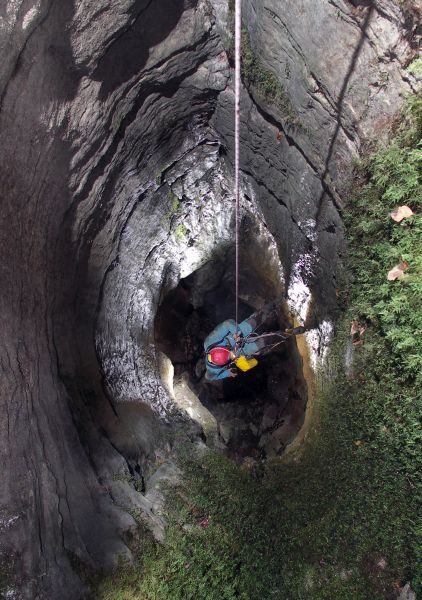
(342, 64)
(115, 181)
(95, 103)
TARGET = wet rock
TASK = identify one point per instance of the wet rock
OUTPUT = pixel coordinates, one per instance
(225, 429)
(286, 432)
(167, 475)
(186, 399)
(270, 444)
(406, 593)
(294, 203)
(270, 416)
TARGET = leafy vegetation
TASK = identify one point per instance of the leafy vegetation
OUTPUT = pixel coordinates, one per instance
(340, 521)
(393, 178)
(415, 67)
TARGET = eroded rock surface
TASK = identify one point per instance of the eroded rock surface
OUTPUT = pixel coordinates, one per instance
(116, 129)
(342, 64)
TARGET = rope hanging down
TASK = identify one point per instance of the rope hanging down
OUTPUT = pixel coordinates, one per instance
(237, 28)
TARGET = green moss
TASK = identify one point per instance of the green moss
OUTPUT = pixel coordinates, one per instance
(135, 482)
(175, 202)
(415, 67)
(264, 81)
(180, 232)
(175, 206)
(3, 581)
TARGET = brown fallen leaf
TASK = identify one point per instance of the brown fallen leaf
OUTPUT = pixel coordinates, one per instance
(400, 213)
(279, 135)
(397, 272)
(204, 522)
(356, 331)
(354, 328)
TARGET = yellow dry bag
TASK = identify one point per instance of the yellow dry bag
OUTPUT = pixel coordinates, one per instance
(245, 364)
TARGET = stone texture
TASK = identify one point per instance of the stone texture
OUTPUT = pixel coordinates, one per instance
(298, 212)
(116, 128)
(406, 593)
(342, 65)
(185, 218)
(73, 170)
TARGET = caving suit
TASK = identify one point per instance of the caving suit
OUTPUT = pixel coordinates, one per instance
(222, 335)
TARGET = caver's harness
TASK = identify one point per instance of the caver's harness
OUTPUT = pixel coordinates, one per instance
(245, 362)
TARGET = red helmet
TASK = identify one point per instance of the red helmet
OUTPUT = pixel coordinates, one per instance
(219, 355)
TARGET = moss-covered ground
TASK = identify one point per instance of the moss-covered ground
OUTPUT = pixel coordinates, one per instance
(342, 519)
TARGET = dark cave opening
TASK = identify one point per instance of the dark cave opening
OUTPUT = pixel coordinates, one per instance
(259, 412)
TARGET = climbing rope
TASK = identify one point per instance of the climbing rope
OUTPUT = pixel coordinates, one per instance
(237, 29)
(253, 337)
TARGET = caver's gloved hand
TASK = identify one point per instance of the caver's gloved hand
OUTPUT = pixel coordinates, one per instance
(295, 330)
(231, 341)
(264, 313)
